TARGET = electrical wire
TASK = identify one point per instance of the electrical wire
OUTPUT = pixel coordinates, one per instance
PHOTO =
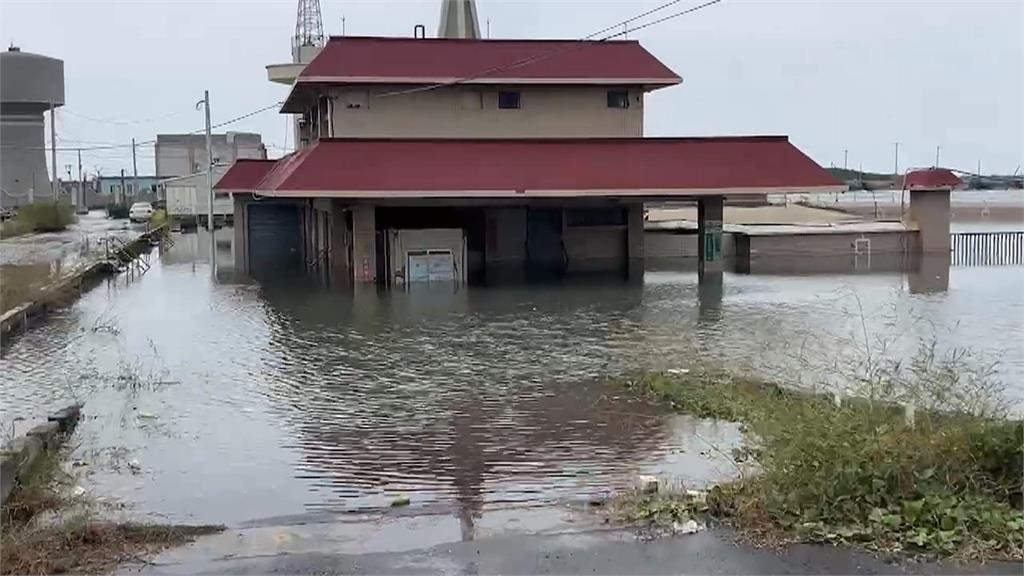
(144, 142)
(580, 43)
(121, 122)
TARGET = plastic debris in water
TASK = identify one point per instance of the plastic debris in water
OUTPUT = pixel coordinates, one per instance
(688, 527)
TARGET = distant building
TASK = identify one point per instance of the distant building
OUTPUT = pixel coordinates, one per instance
(30, 85)
(185, 154)
(115, 189)
(188, 198)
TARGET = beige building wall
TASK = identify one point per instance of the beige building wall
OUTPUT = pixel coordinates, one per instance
(472, 112)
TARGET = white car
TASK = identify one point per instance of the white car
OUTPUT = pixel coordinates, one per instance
(140, 212)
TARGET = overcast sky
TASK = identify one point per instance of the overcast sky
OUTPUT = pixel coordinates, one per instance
(831, 74)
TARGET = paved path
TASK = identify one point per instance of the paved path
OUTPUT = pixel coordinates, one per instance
(525, 541)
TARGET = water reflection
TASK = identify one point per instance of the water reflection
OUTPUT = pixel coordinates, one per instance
(288, 398)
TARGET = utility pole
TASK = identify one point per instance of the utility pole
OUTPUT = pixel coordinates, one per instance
(979, 167)
(209, 164)
(80, 204)
(896, 160)
(846, 157)
(135, 170)
(53, 149)
(937, 148)
(120, 192)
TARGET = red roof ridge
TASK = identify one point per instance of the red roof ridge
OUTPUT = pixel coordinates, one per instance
(567, 139)
(482, 40)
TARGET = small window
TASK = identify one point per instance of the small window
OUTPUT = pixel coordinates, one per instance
(508, 100)
(618, 99)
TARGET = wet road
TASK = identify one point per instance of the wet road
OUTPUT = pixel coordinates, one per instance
(234, 403)
(523, 541)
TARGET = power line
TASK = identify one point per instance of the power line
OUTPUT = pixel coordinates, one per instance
(552, 53)
(121, 122)
(144, 142)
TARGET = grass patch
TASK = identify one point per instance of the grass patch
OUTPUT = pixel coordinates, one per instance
(38, 217)
(158, 219)
(948, 484)
(117, 211)
(39, 538)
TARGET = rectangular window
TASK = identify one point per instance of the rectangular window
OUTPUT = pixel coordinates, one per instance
(508, 100)
(618, 99)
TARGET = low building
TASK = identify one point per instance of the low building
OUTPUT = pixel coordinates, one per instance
(455, 159)
(129, 189)
(188, 198)
(185, 154)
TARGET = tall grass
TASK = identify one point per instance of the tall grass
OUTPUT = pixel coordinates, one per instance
(947, 481)
(39, 217)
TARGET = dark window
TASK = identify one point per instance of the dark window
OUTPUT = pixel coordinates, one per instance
(618, 99)
(508, 100)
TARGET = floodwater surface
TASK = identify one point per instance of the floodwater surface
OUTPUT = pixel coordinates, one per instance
(213, 401)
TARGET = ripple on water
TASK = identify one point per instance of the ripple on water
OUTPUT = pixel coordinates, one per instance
(242, 403)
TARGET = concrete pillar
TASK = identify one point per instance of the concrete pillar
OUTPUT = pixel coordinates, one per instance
(364, 243)
(241, 241)
(929, 210)
(635, 240)
(709, 232)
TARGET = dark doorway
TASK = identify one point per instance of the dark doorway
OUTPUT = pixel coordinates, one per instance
(275, 239)
(545, 254)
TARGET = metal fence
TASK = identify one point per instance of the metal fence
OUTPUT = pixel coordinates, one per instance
(987, 248)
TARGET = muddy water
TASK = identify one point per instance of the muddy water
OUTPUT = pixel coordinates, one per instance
(209, 400)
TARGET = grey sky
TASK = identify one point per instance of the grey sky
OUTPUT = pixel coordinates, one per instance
(832, 75)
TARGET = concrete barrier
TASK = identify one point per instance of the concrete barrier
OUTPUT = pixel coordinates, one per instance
(67, 290)
(18, 455)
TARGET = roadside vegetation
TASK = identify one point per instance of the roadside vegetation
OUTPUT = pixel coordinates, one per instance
(117, 211)
(943, 477)
(47, 529)
(38, 217)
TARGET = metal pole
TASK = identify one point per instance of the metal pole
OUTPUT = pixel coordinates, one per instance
(135, 170)
(846, 156)
(209, 165)
(896, 161)
(120, 193)
(937, 148)
(209, 186)
(81, 184)
(53, 149)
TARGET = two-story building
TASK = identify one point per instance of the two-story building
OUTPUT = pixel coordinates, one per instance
(469, 159)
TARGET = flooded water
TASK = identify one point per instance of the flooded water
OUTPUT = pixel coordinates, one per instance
(34, 260)
(214, 401)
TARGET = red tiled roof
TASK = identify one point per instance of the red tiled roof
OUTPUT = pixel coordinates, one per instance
(429, 60)
(244, 175)
(931, 179)
(517, 168)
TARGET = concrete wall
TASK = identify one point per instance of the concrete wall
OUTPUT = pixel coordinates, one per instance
(364, 243)
(673, 245)
(594, 249)
(506, 236)
(185, 154)
(464, 111)
(929, 210)
(826, 244)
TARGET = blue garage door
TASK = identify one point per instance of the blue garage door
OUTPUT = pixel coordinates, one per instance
(275, 239)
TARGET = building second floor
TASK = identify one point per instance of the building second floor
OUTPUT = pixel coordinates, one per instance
(185, 154)
(458, 88)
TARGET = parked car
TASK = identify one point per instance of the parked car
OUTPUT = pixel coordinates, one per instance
(140, 212)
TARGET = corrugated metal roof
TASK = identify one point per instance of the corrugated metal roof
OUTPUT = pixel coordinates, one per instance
(498, 168)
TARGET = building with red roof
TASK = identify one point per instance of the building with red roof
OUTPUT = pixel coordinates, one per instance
(450, 158)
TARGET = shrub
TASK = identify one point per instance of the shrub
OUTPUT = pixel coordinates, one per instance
(39, 217)
(117, 211)
(949, 483)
